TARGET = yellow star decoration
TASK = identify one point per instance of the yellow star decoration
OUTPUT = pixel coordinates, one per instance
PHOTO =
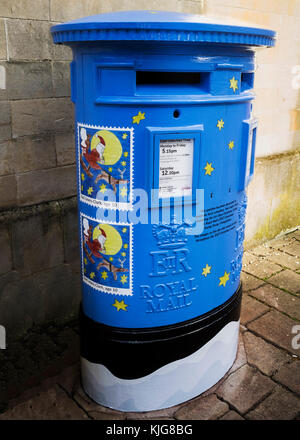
(92, 275)
(231, 145)
(208, 168)
(124, 135)
(123, 254)
(110, 169)
(120, 305)
(126, 154)
(124, 230)
(85, 261)
(104, 275)
(233, 84)
(125, 246)
(137, 119)
(82, 176)
(103, 188)
(111, 259)
(123, 192)
(90, 190)
(123, 163)
(220, 124)
(206, 270)
(124, 279)
(224, 279)
(81, 187)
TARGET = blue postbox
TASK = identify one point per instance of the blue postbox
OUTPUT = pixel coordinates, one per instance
(165, 144)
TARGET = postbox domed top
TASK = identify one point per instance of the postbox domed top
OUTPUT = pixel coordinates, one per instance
(159, 26)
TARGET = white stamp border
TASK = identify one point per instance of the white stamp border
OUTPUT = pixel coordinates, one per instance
(104, 203)
(96, 286)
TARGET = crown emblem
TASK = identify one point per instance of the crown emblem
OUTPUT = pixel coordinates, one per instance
(170, 235)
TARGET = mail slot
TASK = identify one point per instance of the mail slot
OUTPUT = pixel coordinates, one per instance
(165, 145)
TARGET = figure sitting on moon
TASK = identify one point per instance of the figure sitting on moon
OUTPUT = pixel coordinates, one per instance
(103, 148)
(100, 241)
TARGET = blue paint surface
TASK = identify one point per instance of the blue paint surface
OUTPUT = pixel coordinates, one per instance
(169, 275)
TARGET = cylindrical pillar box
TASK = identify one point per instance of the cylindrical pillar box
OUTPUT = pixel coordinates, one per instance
(163, 117)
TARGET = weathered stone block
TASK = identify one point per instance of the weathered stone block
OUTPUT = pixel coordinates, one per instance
(60, 52)
(28, 40)
(7, 164)
(8, 191)
(44, 185)
(35, 152)
(5, 132)
(3, 54)
(29, 80)
(37, 243)
(8, 277)
(4, 113)
(244, 388)
(65, 148)
(49, 295)
(5, 250)
(61, 78)
(41, 115)
(71, 237)
(25, 9)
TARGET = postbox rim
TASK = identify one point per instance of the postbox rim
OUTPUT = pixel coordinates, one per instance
(159, 26)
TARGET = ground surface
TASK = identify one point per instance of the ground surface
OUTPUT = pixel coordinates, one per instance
(263, 383)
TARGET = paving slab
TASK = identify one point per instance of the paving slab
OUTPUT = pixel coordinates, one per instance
(250, 282)
(289, 375)
(53, 404)
(241, 358)
(264, 356)
(276, 328)
(231, 415)
(280, 405)
(202, 408)
(287, 280)
(282, 242)
(91, 407)
(296, 234)
(251, 309)
(283, 259)
(293, 248)
(245, 388)
(280, 300)
(259, 266)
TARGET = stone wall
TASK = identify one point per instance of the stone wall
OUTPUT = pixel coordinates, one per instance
(39, 265)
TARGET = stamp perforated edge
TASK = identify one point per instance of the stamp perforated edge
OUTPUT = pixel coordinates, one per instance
(104, 204)
(96, 286)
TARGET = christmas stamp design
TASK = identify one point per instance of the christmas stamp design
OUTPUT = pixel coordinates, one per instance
(105, 156)
(106, 255)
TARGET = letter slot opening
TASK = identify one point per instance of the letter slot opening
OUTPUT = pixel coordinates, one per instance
(161, 82)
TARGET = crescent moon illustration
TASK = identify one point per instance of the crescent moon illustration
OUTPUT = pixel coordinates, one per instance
(113, 148)
(113, 241)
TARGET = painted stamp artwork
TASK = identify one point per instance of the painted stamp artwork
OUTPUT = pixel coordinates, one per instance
(106, 256)
(105, 166)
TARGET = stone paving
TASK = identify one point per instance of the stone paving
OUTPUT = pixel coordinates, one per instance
(264, 381)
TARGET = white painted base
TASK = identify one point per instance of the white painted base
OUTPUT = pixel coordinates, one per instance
(171, 384)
